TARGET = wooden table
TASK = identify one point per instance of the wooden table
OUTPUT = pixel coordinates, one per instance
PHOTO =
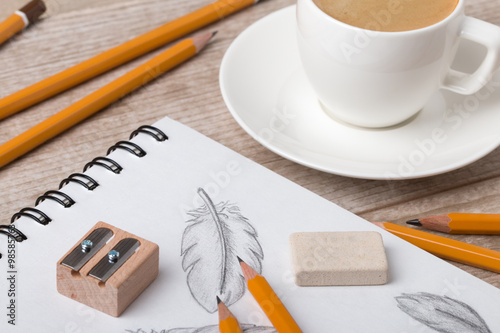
(73, 31)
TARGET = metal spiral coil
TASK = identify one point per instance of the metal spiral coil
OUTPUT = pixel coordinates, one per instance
(82, 179)
(104, 162)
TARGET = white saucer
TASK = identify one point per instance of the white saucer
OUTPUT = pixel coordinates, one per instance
(268, 94)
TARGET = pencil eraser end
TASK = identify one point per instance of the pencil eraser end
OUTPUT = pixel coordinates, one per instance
(353, 258)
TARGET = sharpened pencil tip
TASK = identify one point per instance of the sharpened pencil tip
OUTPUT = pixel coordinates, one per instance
(201, 41)
(218, 300)
(239, 259)
(414, 222)
(215, 33)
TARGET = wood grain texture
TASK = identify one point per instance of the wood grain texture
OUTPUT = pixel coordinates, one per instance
(73, 31)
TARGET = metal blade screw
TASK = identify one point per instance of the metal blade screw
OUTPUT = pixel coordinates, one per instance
(87, 245)
(113, 256)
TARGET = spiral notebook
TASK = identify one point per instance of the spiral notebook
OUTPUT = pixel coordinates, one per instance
(150, 186)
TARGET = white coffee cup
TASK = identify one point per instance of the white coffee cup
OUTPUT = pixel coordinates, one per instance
(378, 79)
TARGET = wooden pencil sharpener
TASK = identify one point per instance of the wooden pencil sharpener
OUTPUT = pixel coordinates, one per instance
(108, 269)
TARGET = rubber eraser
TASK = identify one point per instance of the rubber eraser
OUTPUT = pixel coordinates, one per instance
(338, 258)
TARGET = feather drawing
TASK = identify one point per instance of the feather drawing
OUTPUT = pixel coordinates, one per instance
(215, 329)
(247, 328)
(216, 234)
(442, 313)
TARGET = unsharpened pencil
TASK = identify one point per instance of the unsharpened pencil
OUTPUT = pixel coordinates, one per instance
(101, 98)
(119, 55)
(21, 19)
(268, 301)
(461, 223)
(446, 248)
(227, 321)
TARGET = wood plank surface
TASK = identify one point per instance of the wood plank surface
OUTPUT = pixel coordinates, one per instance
(73, 31)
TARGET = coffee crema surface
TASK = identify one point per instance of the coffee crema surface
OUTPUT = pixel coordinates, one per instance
(388, 15)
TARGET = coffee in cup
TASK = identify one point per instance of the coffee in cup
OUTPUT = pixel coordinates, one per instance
(384, 15)
(375, 78)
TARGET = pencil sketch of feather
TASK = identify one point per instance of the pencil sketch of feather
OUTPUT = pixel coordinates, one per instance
(247, 328)
(215, 329)
(442, 313)
(215, 236)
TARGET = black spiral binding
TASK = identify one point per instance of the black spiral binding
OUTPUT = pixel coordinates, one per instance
(82, 179)
(128, 146)
(12, 232)
(104, 162)
(32, 213)
(86, 181)
(58, 196)
(150, 130)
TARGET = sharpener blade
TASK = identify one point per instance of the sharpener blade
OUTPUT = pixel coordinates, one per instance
(106, 267)
(79, 256)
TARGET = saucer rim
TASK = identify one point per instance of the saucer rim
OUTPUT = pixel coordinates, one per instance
(331, 169)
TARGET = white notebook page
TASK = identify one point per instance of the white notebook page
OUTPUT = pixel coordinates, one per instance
(152, 197)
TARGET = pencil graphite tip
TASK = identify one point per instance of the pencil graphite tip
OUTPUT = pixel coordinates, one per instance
(215, 33)
(248, 272)
(218, 300)
(415, 222)
(239, 259)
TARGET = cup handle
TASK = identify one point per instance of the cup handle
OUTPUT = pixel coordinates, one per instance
(486, 34)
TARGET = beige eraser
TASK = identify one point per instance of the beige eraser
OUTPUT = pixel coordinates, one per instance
(338, 258)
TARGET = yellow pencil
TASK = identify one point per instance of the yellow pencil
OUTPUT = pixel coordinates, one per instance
(119, 55)
(447, 248)
(101, 98)
(21, 19)
(269, 301)
(227, 321)
(461, 223)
